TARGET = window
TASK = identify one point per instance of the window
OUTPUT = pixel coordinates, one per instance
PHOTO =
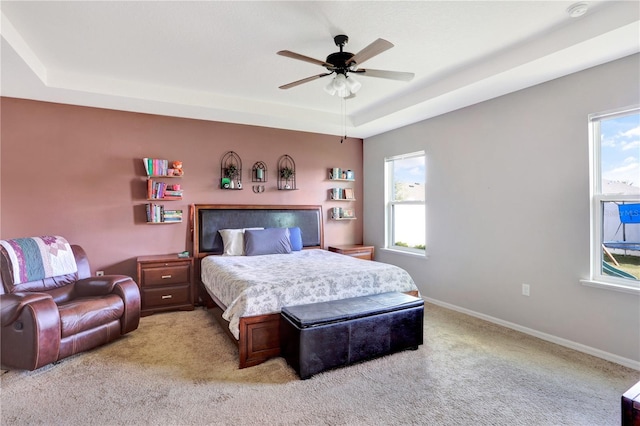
(615, 198)
(405, 199)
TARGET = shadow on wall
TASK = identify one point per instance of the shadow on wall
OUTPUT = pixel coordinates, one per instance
(127, 267)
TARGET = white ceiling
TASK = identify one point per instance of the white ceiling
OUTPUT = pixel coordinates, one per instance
(216, 60)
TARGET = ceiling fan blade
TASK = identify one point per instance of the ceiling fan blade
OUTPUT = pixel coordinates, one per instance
(375, 48)
(391, 75)
(300, 57)
(304, 80)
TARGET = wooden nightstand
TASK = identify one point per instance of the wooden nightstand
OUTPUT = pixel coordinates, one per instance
(354, 250)
(166, 283)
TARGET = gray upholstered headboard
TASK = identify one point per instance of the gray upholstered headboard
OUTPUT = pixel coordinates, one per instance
(208, 219)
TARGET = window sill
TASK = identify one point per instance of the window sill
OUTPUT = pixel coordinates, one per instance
(609, 286)
(424, 255)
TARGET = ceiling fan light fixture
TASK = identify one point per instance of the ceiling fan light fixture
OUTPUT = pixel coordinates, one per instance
(340, 82)
(342, 86)
(343, 93)
(353, 85)
(329, 88)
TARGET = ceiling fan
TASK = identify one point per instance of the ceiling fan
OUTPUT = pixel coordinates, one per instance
(343, 63)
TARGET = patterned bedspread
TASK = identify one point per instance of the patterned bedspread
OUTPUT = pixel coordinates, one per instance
(257, 285)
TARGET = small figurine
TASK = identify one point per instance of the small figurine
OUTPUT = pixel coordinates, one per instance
(177, 168)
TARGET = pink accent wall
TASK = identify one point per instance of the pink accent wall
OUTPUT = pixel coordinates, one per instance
(78, 172)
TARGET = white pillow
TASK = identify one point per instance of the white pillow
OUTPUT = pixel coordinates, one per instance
(233, 241)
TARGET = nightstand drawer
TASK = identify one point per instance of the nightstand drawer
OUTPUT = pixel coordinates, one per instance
(354, 250)
(159, 274)
(366, 255)
(166, 296)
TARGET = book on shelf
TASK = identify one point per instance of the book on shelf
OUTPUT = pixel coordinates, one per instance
(156, 166)
(154, 212)
(342, 194)
(347, 214)
(172, 216)
(340, 213)
(147, 169)
(348, 194)
(157, 190)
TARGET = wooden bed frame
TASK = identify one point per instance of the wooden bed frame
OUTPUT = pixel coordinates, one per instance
(259, 337)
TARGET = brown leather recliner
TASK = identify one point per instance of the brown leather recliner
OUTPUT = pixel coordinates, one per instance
(55, 317)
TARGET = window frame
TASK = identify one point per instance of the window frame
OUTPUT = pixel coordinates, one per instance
(597, 198)
(390, 204)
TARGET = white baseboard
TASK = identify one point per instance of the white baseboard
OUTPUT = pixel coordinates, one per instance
(544, 336)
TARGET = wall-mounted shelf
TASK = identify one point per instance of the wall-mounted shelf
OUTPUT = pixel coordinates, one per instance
(286, 173)
(157, 214)
(164, 223)
(339, 213)
(342, 194)
(162, 191)
(231, 171)
(336, 173)
(157, 172)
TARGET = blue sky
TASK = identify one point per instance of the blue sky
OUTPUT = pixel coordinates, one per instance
(410, 170)
(620, 149)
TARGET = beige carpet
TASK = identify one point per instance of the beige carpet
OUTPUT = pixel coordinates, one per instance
(180, 369)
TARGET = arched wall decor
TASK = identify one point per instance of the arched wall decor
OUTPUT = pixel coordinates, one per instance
(286, 173)
(231, 171)
(259, 174)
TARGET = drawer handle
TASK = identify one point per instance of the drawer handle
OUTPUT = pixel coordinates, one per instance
(166, 276)
(168, 296)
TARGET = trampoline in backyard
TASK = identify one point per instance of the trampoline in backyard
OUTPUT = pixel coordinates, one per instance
(628, 240)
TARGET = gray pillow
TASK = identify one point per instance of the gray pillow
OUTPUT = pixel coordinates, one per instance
(267, 241)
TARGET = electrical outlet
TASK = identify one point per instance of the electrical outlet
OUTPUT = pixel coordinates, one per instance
(99, 273)
(525, 289)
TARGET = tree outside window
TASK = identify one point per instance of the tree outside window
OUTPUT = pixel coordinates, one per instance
(406, 195)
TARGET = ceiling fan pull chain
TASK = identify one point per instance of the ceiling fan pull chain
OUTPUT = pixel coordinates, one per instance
(344, 119)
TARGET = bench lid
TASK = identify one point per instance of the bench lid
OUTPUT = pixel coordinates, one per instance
(322, 313)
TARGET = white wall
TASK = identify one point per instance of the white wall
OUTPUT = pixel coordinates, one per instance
(508, 203)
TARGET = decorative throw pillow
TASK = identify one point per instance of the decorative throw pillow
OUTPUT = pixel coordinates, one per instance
(267, 241)
(233, 241)
(295, 236)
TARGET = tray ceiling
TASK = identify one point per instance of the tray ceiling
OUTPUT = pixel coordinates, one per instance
(217, 60)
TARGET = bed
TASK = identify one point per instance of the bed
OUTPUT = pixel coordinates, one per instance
(245, 293)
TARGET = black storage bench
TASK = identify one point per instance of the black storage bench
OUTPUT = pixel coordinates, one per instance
(320, 336)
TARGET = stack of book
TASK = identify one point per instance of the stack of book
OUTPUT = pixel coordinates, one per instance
(340, 213)
(172, 216)
(160, 190)
(173, 191)
(156, 213)
(342, 194)
(337, 194)
(156, 166)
